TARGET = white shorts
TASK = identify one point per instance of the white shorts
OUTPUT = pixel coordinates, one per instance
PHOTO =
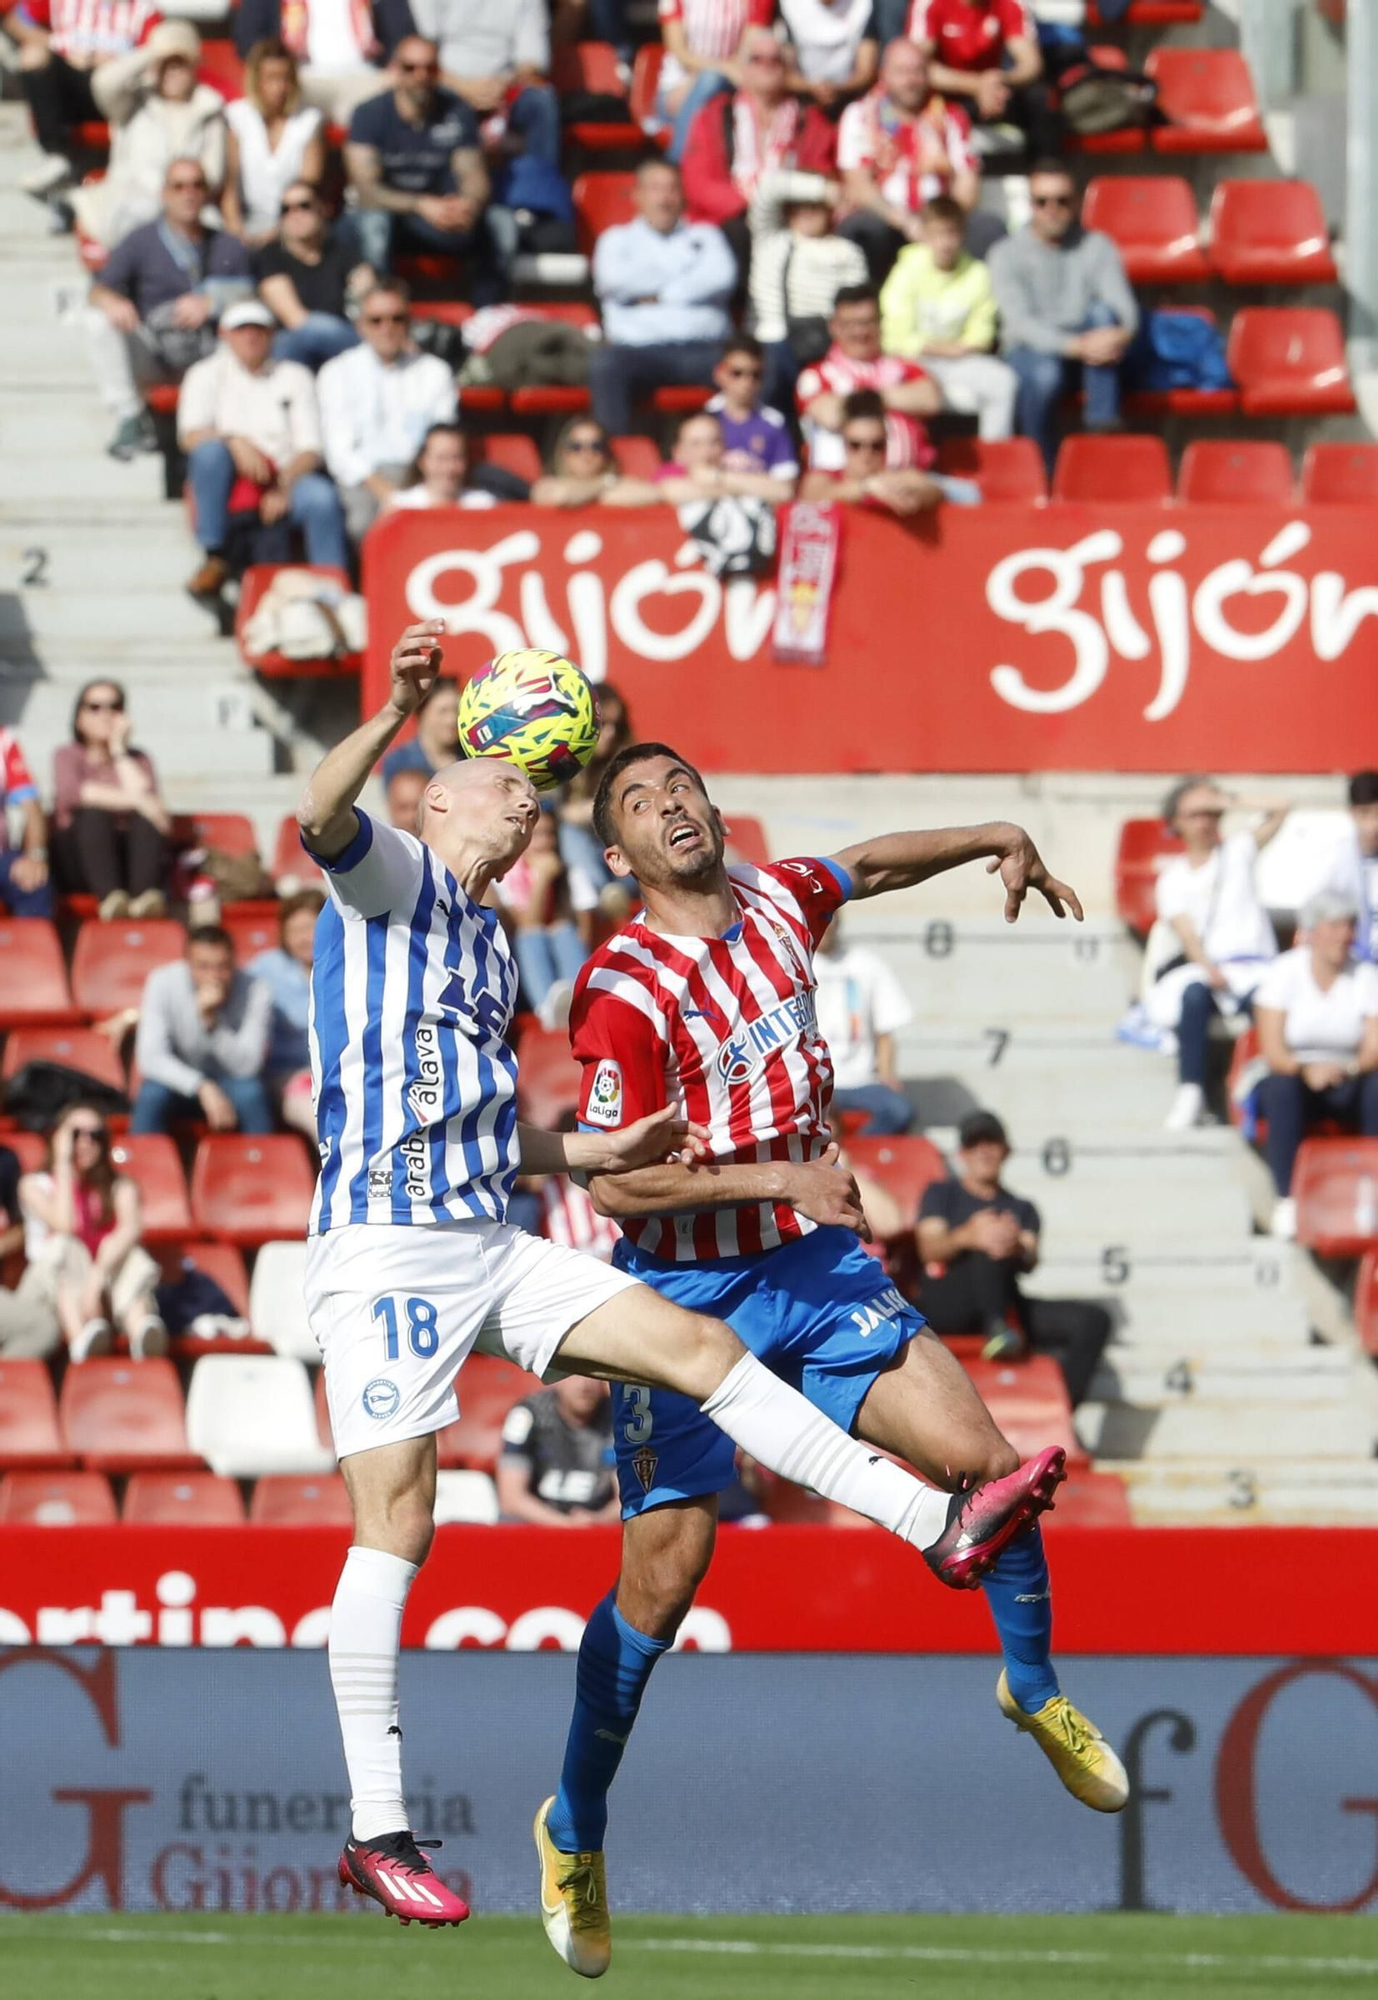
(396, 1308)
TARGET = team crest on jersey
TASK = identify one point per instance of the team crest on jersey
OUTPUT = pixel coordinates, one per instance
(644, 1463)
(605, 1094)
(381, 1398)
(748, 1051)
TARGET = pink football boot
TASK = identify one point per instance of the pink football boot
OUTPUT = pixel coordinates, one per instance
(985, 1519)
(393, 1870)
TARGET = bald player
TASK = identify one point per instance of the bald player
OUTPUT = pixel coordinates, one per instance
(412, 1263)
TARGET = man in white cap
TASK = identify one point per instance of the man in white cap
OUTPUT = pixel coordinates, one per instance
(247, 421)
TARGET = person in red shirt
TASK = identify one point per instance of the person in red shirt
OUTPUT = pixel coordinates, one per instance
(854, 361)
(985, 53)
(24, 887)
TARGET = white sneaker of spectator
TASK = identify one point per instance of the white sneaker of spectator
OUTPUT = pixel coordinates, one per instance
(148, 1339)
(94, 1338)
(218, 1326)
(52, 172)
(1188, 1108)
(1284, 1223)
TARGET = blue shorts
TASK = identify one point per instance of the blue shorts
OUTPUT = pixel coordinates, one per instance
(820, 1313)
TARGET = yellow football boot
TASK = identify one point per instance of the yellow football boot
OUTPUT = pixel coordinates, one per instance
(574, 1903)
(1075, 1748)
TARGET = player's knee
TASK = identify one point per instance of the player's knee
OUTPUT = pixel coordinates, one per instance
(402, 1523)
(711, 1351)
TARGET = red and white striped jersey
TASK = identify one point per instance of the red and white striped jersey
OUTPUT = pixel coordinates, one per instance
(906, 437)
(711, 28)
(94, 27)
(568, 1216)
(727, 1029)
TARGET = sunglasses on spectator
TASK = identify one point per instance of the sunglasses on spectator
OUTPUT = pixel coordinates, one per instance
(863, 443)
(290, 207)
(772, 57)
(385, 319)
(586, 444)
(419, 69)
(183, 185)
(96, 1132)
(1052, 201)
(1204, 812)
(104, 707)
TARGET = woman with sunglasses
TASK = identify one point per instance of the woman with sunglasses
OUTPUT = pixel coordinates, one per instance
(82, 1224)
(110, 827)
(274, 140)
(1222, 938)
(863, 477)
(583, 472)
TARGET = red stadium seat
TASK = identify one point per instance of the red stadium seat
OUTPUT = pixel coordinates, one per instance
(1366, 1303)
(547, 1077)
(600, 200)
(1101, 470)
(251, 1191)
(681, 398)
(1151, 14)
(1145, 845)
(1028, 1400)
(29, 1148)
(112, 961)
(1207, 96)
(1091, 1500)
(57, 1499)
(277, 666)
(291, 862)
(593, 67)
(637, 457)
(33, 979)
(231, 833)
(904, 1167)
(29, 1435)
(1270, 233)
(153, 1163)
(1223, 472)
(746, 840)
(253, 931)
(1009, 471)
(646, 87)
(183, 1500)
(1289, 361)
(220, 1261)
(1341, 475)
(126, 1416)
(487, 1388)
(287, 1500)
(1155, 225)
(81, 1049)
(222, 69)
(512, 451)
(556, 398)
(1335, 1187)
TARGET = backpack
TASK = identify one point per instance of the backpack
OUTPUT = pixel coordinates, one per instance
(1177, 350)
(1096, 100)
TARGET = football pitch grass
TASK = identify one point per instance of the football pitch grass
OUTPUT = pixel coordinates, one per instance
(685, 1958)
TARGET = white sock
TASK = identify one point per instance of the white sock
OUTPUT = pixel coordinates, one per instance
(789, 1436)
(365, 1639)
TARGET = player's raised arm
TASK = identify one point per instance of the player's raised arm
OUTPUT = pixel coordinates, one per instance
(663, 1135)
(899, 860)
(326, 813)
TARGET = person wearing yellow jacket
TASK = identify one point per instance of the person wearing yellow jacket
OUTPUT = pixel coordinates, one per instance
(937, 308)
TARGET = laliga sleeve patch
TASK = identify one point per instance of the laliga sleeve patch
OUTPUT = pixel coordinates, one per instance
(605, 1095)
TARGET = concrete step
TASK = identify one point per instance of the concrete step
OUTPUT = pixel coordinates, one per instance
(1214, 1211)
(1329, 1492)
(1305, 1375)
(1228, 1434)
(114, 558)
(1253, 1272)
(34, 480)
(1218, 1323)
(76, 618)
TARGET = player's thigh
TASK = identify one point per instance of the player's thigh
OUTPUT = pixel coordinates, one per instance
(665, 1557)
(925, 1409)
(638, 1336)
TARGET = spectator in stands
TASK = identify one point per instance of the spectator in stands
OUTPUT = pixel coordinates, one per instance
(1356, 872)
(760, 129)
(498, 60)
(28, 1319)
(339, 48)
(251, 430)
(203, 1041)
(377, 403)
(82, 1225)
(433, 746)
(583, 473)
(286, 972)
(699, 469)
(404, 791)
(986, 53)
(1224, 939)
(832, 49)
(799, 264)
(664, 285)
(861, 1008)
(938, 308)
(414, 163)
(897, 148)
(442, 476)
(307, 278)
(1317, 1016)
(158, 113)
(110, 827)
(556, 1465)
(25, 890)
(578, 843)
(755, 439)
(1067, 311)
(701, 39)
(63, 46)
(976, 1241)
(854, 361)
(549, 905)
(275, 140)
(156, 303)
(866, 479)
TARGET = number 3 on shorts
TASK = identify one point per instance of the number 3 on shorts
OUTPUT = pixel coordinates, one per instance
(636, 1403)
(423, 1335)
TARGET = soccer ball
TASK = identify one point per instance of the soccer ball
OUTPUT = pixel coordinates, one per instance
(534, 709)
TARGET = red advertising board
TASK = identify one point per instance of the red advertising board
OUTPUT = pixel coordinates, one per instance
(1142, 1591)
(981, 639)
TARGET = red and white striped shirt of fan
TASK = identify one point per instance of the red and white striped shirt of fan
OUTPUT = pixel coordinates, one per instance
(727, 1029)
(906, 439)
(711, 28)
(93, 27)
(569, 1217)
(900, 153)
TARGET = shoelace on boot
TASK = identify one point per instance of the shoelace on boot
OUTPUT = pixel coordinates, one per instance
(581, 1882)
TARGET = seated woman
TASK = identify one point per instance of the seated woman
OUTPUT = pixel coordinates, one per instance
(274, 141)
(110, 828)
(82, 1225)
(158, 113)
(1317, 1016)
(833, 49)
(286, 972)
(697, 472)
(1207, 896)
(582, 472)
(442, 476)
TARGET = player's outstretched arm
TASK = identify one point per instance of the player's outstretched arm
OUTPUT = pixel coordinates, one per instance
(899, 860)
(663, 1136)
(326, 813)
(822, 1189)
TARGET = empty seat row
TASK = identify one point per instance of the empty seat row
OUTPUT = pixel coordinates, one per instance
(1261, 232)
(1136, 470)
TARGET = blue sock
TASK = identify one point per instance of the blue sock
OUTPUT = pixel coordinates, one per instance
(1021, 1604)
(615, 1662)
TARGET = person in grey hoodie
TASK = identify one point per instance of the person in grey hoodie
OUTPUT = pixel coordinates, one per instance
(1066, 309)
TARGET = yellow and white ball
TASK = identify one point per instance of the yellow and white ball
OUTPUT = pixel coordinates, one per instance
(534, 709)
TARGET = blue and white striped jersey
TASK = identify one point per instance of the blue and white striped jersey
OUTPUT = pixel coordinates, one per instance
(412, 992)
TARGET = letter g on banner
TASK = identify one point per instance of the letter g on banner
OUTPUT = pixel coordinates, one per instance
(1056, 612)
(1236, 1795)
(104, 1859)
